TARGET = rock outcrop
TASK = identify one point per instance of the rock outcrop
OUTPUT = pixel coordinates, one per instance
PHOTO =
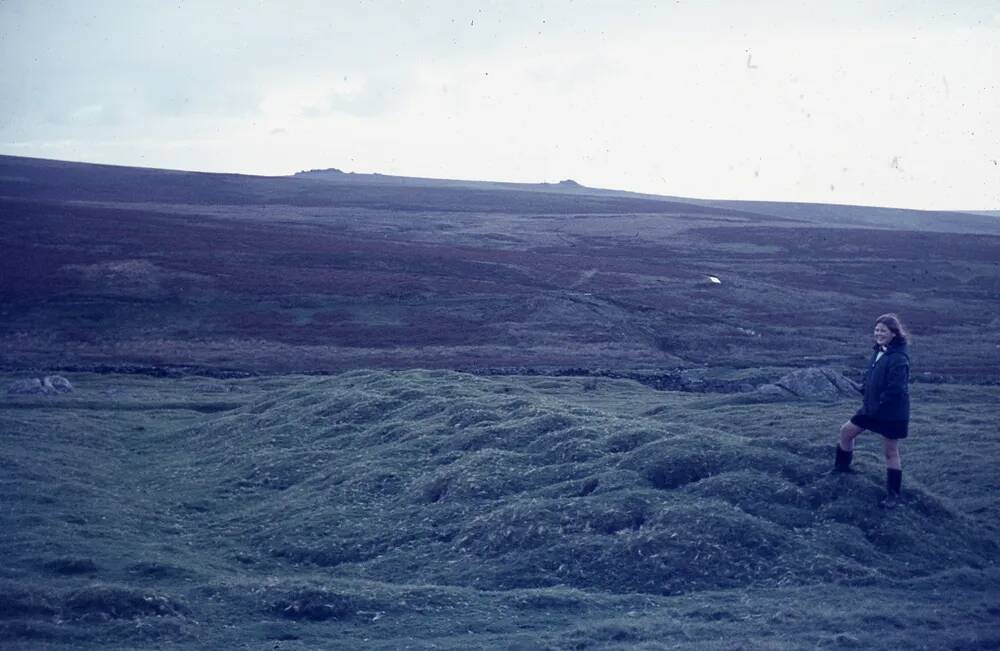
(48, 385)
(812, 384)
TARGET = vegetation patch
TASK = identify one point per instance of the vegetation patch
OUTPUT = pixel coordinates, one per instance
(415, 475)
(71, 565)
(106, 602)
(20, 601)
(319, 605)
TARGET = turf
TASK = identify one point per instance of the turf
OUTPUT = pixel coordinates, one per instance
(434, 509)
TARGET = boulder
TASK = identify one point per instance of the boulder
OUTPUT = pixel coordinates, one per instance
(30, 386)
(773, 390)
(812, 384)
(212, 387)
(56, 384)
(48, 385)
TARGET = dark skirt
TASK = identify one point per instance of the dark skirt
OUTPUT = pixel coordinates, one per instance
(891, 429)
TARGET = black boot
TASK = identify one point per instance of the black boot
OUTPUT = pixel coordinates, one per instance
(843, 462)
(893, 488)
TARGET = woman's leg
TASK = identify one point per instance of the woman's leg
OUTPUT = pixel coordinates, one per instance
(893, 473)
(845, 447)
(891, 448)
(848, 432)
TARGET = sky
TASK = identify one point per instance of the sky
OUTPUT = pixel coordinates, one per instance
(875, 102)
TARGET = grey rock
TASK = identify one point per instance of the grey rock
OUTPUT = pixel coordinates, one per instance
(30, 386)
(209, 387)
(846, 640)
(773, 390)
(56, 384)
(812, 384)
(49, 385)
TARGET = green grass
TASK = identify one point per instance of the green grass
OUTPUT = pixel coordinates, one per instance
(432, 509)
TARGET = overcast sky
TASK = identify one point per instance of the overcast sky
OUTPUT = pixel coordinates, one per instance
(893, 103)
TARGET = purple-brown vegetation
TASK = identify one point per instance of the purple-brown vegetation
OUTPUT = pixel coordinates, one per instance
(105, 264)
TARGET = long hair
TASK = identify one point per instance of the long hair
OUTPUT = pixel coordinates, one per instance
(895, 325)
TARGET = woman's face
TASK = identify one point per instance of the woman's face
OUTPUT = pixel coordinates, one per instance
(883, 335)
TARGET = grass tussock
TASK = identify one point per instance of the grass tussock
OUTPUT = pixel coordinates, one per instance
(106, 602)
(71, 565)
(96, 602)
(319, 605)
(20, 601)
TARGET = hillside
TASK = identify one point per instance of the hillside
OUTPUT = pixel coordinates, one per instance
(432, 509)
(336, 410)
(126, 268)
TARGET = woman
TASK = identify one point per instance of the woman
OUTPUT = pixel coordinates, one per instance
(886, 406)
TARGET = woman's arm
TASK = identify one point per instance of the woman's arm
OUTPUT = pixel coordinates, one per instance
(867, 373)
(897, 381)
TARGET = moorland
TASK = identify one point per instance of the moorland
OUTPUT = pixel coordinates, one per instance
(325, 272)
(338, 410)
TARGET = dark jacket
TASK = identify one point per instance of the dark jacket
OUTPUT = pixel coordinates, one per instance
(887, 384)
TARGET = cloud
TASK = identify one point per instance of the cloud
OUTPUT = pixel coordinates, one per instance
(643, 109)
(640, 96)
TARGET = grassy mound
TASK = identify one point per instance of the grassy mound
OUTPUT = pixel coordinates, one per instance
(101, 602)
(435, 509)
(450, 479)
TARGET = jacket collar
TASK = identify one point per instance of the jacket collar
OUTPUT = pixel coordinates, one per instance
(894, 346)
